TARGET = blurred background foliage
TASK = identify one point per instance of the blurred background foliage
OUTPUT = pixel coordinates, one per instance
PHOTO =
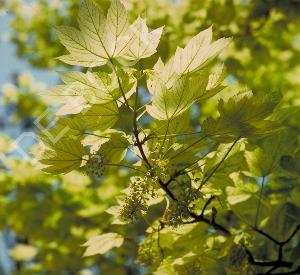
(44, 219)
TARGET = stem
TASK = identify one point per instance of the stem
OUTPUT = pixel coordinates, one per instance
(172, 135)
(124, 165)
(164, 138)
(95, 135)
(205, 180)
(120, 85)
(159, 228)
(136, 132)
(187, 148)
(259, 201)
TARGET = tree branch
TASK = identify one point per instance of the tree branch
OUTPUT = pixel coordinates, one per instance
(268, 236)
(163, 185)
(216, 226)
(207, 203)
(279, 262)
(276, 263)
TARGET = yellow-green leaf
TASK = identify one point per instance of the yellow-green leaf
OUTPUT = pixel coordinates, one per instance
(100, 117)
(101, 244)
(142, 43)
(62, 156)
(198, 52)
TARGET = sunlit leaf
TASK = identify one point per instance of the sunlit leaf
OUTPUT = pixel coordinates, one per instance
(101, 244)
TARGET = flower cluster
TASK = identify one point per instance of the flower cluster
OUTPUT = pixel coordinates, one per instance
(135, 203)
(190, 268)
(237, 256)
(179, 211)
(149, 253)
(94, 167)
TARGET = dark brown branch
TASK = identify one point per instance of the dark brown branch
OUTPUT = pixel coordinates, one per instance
(268, 236)
(207, 203)
(174, 176)
(251, 260)
(216, 226)
(279, 262)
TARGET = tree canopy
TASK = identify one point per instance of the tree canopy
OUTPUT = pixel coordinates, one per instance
(173, 143)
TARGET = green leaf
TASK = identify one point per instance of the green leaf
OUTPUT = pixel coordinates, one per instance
(236, 196)
(73, 106)
(101, 244)
(165, 268)
(81, 89)
(100, 39)
(291, 163)
(62, 93)
(23, 252)
(244, 189)
(235, 161)
(169, 103)
(115, 149)
(69, 77)
(116, 36)
(74, 127)
(62, 156)
(178, 84)
(214, 83)
(5, 144)
(243, 115)
(266, 156)
(166, 74)
(100, 117)
(198, 52)
(142, 42)
(83, 52)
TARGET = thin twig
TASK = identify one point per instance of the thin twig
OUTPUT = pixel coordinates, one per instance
(291, 236)
(125, 166)
(205, 180)
(95, 135)
(187, 148)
